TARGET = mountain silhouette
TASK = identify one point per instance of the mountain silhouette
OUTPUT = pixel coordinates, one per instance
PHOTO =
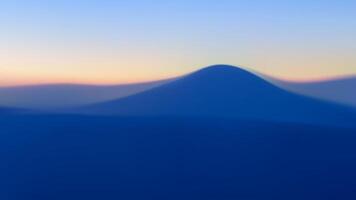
(228, 92)
(337, 90)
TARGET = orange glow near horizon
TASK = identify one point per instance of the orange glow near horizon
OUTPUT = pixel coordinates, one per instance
(122, 78)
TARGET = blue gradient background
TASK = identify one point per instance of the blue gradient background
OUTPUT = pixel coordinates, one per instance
(102, 42)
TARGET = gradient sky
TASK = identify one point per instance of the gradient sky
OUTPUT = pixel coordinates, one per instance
(107, 41)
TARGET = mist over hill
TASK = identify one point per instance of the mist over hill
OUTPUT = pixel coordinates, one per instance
(339, 90)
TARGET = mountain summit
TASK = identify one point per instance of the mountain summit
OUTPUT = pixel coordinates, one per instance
(228, 92)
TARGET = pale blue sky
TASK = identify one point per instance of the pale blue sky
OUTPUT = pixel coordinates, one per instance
(104, 41)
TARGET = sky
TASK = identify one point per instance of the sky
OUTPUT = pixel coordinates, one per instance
(109, 41)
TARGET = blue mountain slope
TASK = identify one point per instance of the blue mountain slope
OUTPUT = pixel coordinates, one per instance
(229, 92)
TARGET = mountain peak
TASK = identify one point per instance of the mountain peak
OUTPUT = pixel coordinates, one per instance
(219, 68)
(224, 73)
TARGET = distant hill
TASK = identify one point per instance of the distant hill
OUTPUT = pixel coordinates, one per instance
(7, 110)
(338, 90)
(225, 91)
(58, 96)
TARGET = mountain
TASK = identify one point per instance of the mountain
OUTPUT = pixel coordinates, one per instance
(339, 90)
(228, 92)
(59, 96)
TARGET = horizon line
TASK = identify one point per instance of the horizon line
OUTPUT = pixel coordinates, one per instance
(162, 79)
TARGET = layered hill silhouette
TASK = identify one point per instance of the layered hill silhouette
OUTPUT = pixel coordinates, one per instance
(336, 90)
(228, 92)
(59, 96)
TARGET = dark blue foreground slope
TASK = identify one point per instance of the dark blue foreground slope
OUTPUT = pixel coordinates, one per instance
(92, 158)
